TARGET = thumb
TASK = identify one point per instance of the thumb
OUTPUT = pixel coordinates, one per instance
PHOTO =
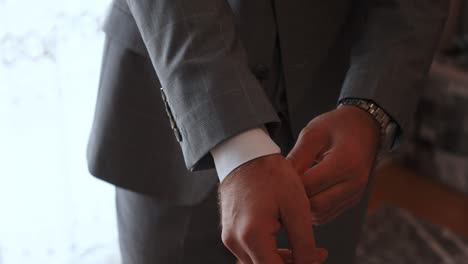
(309, 147)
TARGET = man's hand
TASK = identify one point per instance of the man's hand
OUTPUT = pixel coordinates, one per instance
(253, 199)
(335, 154)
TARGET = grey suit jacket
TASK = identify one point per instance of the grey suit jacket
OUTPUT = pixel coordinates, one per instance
(211, 58)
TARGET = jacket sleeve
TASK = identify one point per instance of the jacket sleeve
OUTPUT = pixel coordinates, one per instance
(394, 52)
(210, 92)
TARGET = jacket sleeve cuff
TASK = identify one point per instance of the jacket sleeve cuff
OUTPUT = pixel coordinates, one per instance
(219, 119)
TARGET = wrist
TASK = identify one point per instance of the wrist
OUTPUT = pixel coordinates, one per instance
(244, 169)
(365, 130)
(363, 117)
(388, 128)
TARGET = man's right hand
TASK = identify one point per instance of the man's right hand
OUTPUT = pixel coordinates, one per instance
(253, 199)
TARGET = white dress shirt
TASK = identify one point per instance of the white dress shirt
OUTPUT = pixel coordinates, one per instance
(239, 149)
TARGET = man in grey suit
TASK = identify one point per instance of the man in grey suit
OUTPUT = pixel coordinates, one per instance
(245, 92)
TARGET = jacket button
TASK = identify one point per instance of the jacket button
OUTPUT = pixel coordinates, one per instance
(261, 71)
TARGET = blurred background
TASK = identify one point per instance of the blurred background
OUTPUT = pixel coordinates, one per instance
(53, 211)
(418, 210)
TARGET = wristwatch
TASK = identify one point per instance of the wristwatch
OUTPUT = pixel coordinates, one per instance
(388, 127)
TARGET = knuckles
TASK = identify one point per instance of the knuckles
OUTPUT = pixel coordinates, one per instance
(244, 236)
(247, 236)
(228, 238)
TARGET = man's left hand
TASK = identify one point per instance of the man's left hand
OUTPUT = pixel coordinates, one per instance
(334, 155)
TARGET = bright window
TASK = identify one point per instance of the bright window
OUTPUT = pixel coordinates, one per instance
(51, 209)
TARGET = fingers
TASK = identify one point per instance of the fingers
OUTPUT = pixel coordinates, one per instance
(252, 204)
(308, 148)
(329, 204)
(333, 186)
(324, 175)
(252, 239)
(252, 247)
(296, 219)
(263, 251)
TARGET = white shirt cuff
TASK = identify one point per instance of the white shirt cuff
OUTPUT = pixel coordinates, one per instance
(239, 149)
